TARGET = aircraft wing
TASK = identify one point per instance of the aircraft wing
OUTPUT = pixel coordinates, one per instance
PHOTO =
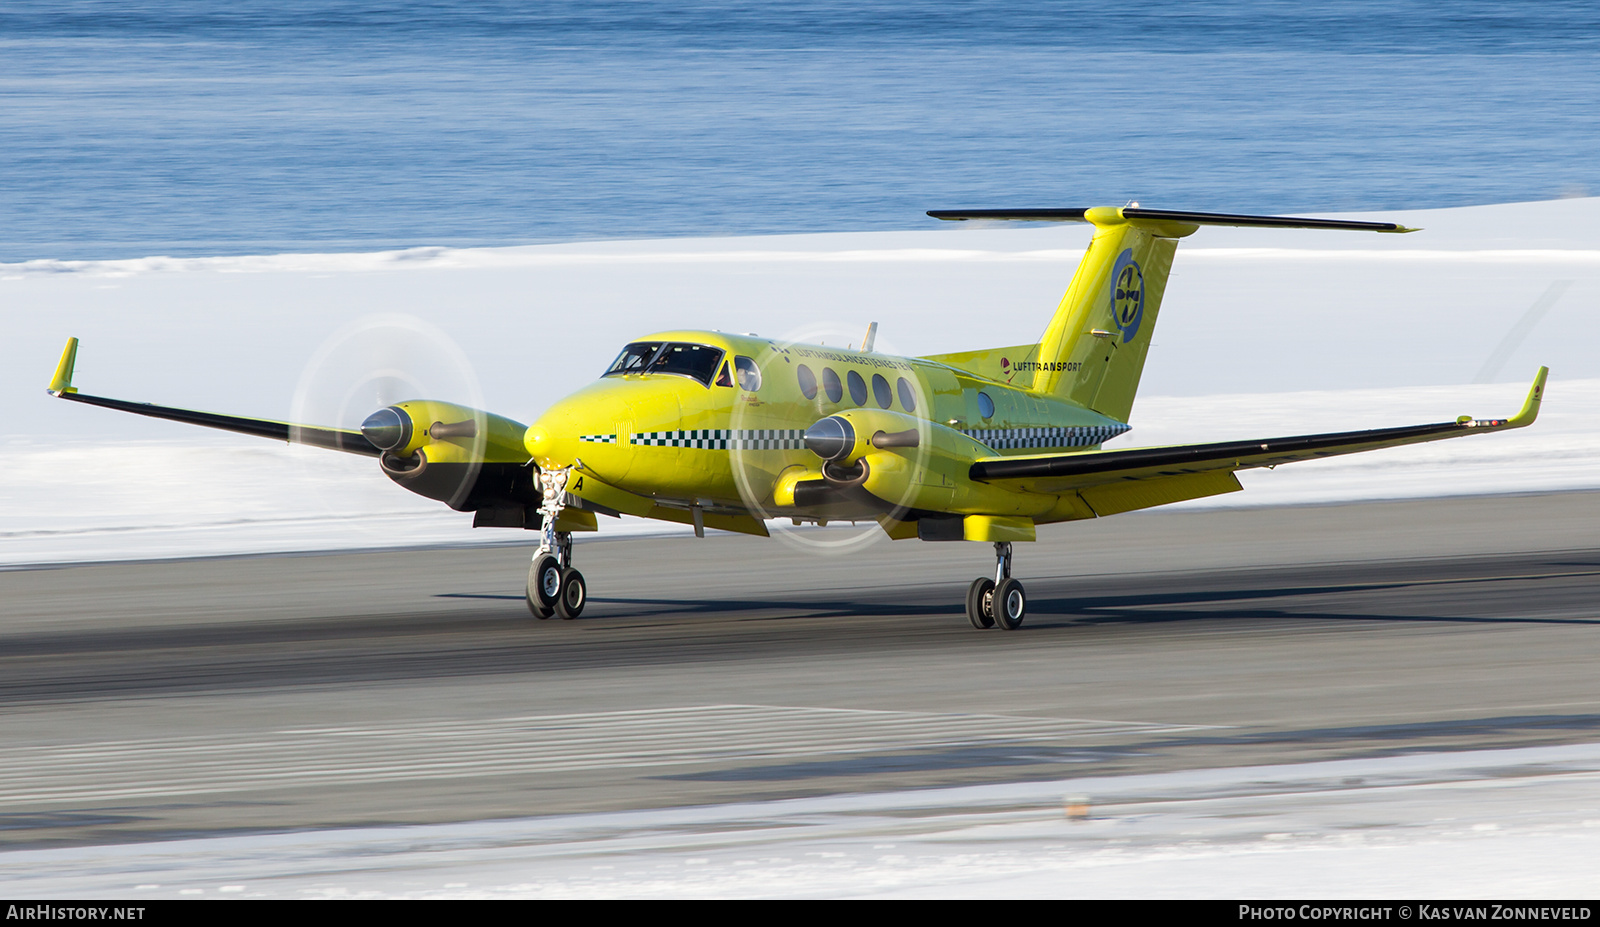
(1194, 470)
(338, 439)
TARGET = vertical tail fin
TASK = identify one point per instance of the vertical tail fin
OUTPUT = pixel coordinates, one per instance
(1093, 351)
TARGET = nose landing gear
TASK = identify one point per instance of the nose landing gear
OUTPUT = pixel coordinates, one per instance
(554, 587)
(999, 601)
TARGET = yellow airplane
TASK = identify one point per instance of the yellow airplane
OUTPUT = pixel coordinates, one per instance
(725, 431)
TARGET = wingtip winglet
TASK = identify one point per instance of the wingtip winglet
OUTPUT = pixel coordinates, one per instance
(1524, 418)
(1530, 408)
(61, 383)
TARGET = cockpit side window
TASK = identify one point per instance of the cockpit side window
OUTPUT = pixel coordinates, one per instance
(697, 361)
(724, 378)
(749, 373)
(634, 358)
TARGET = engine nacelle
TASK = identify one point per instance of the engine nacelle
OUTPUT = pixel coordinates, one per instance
(845, 438)
(461, 456)
(909, 464)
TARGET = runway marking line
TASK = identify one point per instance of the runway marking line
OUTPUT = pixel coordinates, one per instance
(1397, 584)
(529, 744)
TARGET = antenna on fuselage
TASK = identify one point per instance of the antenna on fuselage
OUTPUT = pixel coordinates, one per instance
(872, 336)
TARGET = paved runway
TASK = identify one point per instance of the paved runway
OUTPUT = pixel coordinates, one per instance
(213, 696)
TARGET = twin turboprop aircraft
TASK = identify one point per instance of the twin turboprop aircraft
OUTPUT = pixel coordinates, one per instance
(723, 431)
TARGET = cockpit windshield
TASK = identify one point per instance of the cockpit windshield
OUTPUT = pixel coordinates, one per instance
(634, 358)
(697, 361)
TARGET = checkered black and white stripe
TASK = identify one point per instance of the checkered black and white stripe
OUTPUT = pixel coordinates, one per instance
(768, 439)
(722, 439)
(790, 439)
(1077, 436)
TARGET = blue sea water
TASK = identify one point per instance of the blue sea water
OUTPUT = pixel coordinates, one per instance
(202, 127)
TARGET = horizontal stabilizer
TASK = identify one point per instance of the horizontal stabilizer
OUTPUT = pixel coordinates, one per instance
(1137, 213)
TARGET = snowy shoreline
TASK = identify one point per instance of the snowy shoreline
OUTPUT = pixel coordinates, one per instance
(1512, 823)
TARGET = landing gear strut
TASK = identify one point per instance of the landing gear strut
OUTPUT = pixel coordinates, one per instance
(999, 601)
(554, 587)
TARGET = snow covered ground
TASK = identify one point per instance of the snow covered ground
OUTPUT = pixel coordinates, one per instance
(1263, 333)
(1503, 824)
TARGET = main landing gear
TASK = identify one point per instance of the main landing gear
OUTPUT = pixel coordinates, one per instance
(999, 601)
(554, 587)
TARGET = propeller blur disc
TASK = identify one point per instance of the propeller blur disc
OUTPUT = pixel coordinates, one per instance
(375, 362)
(756, 469)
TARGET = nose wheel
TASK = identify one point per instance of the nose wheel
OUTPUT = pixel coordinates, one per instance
(1000, 601)
(544, 584)
(554, 587)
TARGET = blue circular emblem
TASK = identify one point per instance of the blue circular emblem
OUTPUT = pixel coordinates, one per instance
(1127, 295)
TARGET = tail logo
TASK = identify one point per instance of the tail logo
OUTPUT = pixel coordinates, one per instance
(1127, 295)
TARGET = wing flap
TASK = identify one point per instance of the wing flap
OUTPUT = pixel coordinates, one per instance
(1128, 495)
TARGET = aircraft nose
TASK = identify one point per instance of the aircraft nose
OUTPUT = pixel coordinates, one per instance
(537, 441)
(552, 441)
(590, 423)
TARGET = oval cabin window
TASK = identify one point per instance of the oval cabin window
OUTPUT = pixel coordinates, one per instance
(831, 385)
(808, 381)
(881, 391)
(858, 388)
(908, 398)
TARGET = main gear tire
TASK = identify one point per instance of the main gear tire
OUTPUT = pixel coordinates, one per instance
(978, 595)
(1009, 604)
(574, 595)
